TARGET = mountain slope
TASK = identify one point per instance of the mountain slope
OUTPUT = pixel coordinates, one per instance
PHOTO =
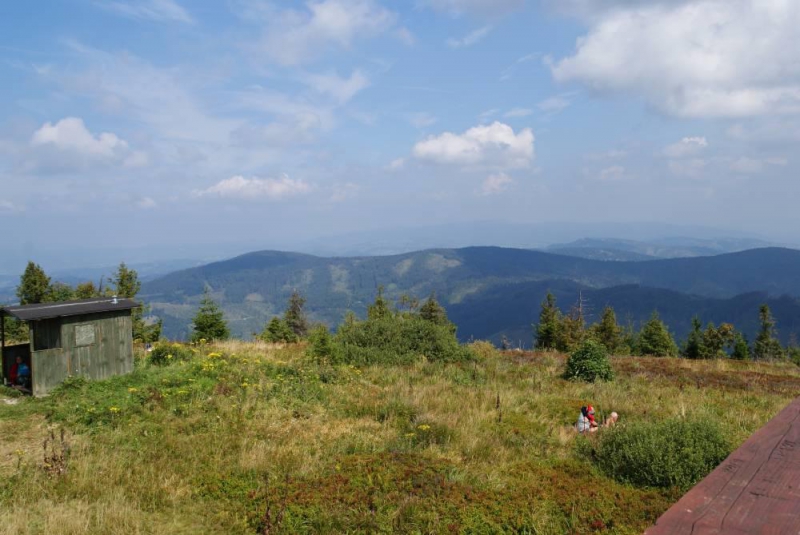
(255, 286)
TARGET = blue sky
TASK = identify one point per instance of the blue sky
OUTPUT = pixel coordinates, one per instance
(173, 122)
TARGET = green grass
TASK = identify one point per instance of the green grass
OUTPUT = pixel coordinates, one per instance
(212, 443)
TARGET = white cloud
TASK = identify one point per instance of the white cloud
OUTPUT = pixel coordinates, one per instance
(146, 203)
(343, 192)
(7, 207)
(693, 168)
(293, 37)
(68, 145)
(753, 166)
(469, 39)
(518, 112)
(494, 145)
(688, 146)
(495, 184)
(554, 104)
(157, 10)
(422, 119)
(487, 115)
(704, 58)
(397, 164)
(612, 174)
(475, 7)
(239, 187)
(339, 88)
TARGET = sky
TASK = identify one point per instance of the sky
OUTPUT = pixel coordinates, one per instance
(169, 122)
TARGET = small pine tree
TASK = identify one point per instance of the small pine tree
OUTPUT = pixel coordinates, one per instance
(716, 340)
(741, 348)
(86, 290)
(321, 348)
(125, 282)
(767, 346)
(34, 285)
(573, 331)
(60, 292)
(693, 347)
(607, 331)
(655, 339)
(209, 322)
(435, 313)
(277, 331)
(294, 317)
(380, 309)
(548, 330)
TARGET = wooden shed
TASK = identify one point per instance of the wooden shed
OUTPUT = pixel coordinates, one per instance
(92, 338)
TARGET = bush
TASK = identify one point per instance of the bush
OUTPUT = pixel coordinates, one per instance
(166, 353)
(589, 363)
(321, 348)
(398, 340)
(672, 453)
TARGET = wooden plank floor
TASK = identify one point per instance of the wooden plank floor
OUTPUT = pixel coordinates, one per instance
(756, 490)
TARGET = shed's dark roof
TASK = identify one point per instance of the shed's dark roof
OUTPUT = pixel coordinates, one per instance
(68, 308)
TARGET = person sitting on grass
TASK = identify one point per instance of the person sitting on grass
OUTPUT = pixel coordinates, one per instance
(611, 421)
(586, 422)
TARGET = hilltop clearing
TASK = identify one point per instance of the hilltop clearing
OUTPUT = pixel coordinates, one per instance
(252, 438)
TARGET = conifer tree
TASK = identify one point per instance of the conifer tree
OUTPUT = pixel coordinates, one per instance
(380, 309)
(741, 349)
(294, 317)
(34, 285)
(693, 347)
(548, 330)
(86, 290)
(126, 282)
(435, 313)
(277, 331)
(60, 292)
(573, 330)
(607, 331)
(209, 322)
(716, 340)
(655, 339)
(767, 345)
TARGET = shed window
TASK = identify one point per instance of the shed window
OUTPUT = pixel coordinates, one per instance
(84, 335)
(46, 335)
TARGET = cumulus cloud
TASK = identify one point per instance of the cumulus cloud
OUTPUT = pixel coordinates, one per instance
(495, 184)
(494, 145)
(339, 88)
(475, 7)
(68, 144)
(469, 39)
(239, 187)
(293, 36)
(705, 58)
(688, 146)
(157, 10)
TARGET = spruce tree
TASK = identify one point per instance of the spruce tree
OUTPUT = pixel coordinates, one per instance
(607, 331)
(60, 292)
(548, 330)
(294, 317)
(86, 290)
(741, 349)
(277, 331)
(694, 343)
(655, 339)
(209, 322)
(573, 331)
(380, 309)
(126, 282)
(435, 313)
(34, 285)
(767, 345)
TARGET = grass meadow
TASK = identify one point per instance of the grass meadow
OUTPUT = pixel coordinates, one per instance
(248, 438)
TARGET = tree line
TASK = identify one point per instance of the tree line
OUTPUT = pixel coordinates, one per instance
(566, 332)
(36, 287)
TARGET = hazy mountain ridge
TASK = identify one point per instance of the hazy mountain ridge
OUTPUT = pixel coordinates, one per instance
(613, 249)
(255, 286)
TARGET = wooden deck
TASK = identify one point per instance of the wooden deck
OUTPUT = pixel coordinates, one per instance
(756, 490)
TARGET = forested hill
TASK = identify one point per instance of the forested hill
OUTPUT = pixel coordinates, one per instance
(255, 286)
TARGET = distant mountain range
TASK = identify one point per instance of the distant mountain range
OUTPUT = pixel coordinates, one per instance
(617, 250)
(489, 291)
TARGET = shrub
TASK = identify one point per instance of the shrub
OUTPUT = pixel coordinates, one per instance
(484, 350)
(672, 453)
(589, 363)
(321, 348)
(166, 353)
(398, 340)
